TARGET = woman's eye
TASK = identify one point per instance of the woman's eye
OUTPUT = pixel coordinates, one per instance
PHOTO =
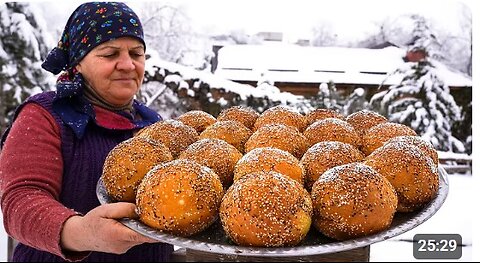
(109, 55)
(116, 54)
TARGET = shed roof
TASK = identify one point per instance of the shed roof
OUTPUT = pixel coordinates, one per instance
(281, 62)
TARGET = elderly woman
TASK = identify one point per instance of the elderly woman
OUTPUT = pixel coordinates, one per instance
(53, 154)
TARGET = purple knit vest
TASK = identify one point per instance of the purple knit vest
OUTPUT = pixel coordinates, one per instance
(83, 163)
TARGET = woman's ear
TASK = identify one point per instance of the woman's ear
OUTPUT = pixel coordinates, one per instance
(78, 67)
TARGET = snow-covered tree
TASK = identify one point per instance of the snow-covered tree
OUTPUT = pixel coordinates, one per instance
(356, 101)
(422, 100)
(160, 92)
(423, 38)
(324, 35)
(463, 129)
(327, 97)
(457, 45)
(168, 31)
(24, 43)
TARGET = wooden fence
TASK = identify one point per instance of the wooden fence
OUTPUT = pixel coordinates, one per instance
(455, 162)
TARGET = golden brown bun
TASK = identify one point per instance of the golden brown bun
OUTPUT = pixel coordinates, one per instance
(363, 120)
(197, 119)
(320, 114)
(325, 155)
(180, 197)
(232, 132)
(245, 115)
(279, 136)
(424, 146)
(174, 134)
(411, 172)
(270, 159)
(379, 134)
(332, 129)
(216, 154)
(128, 162)
(266, 209)
(281, 115)
(352, 200)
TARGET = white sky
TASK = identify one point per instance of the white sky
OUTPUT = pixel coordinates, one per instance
(295, 18)
(351, 19)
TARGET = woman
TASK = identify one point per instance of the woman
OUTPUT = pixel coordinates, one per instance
(53, 154)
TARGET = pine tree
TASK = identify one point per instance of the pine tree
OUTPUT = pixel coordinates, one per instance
(424, 39)
(422, 100)
(22, 49)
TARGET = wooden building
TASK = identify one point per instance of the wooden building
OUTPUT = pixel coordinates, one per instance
(301, 69)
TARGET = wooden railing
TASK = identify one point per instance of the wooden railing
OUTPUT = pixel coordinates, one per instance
(455, 162)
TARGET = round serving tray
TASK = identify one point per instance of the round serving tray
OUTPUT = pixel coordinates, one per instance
(214, 239)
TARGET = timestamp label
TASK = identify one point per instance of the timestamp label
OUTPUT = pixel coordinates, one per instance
(437, 246)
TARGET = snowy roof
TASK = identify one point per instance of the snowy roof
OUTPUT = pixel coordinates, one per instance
(214, 81)
(282, 62)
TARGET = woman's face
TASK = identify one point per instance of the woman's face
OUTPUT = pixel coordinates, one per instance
(115, 69)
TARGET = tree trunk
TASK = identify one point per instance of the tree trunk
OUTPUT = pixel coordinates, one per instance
(3, 111)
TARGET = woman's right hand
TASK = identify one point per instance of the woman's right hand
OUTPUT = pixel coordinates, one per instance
(99, 230)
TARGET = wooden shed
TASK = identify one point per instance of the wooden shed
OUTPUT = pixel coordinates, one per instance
(301, 69)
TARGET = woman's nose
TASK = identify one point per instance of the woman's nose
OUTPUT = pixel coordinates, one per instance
(125, 62)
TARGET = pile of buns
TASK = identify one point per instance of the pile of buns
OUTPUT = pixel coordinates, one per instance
(270, 177)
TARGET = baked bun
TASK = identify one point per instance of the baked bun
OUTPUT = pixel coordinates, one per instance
(379, 134)
(266, 209)
(180, 197)
(174, 134)
(424, 146)
(281, 115)
(331, 129)
(216, 154)
(232, 132)
(245, 115)
(279, 136)
(320, 114)
(128, 162)
(325, 155)
(411, 172)
(197, 119)
(363, 120)
(352, 200)
(270, 159)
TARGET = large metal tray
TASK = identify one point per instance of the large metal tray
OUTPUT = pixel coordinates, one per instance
(214, 239)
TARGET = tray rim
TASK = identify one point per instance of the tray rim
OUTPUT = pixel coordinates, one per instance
(307, 250)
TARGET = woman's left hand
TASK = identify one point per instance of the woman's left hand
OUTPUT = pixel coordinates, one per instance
(99, 230)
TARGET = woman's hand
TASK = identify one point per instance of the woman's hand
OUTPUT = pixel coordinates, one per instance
(99, 230)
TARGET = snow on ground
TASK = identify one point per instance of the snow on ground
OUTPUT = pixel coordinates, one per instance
(454, 217)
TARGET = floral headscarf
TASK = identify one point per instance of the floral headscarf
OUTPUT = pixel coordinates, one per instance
(90, 25)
